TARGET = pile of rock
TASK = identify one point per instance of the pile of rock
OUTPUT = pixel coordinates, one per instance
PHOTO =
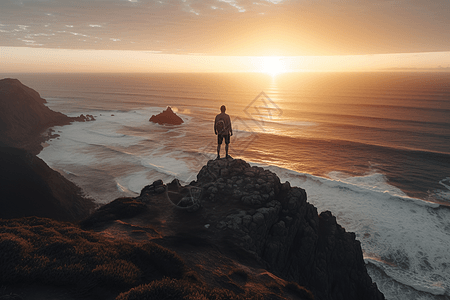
(83, 118)
(157, 187)
(236, 180)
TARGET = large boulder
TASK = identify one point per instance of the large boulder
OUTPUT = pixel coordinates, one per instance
(166, 117)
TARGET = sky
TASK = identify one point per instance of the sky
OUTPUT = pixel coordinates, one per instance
(223, 35)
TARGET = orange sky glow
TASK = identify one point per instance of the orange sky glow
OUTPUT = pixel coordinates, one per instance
(42, 60)
(271, 36)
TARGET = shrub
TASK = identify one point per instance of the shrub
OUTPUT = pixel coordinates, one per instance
(120, 208)
(239, 274)
(181, 290)
(299, 290)
(117, 272)
(55, 253)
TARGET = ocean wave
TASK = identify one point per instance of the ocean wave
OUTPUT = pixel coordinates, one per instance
(433, 287)
(375, 182)
(378, 146)
(445, 182)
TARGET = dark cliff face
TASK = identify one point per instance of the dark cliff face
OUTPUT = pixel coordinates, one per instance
(28, 187)
(23, 116)
(279, 227)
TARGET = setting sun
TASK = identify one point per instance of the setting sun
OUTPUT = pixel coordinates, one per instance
(273, 65)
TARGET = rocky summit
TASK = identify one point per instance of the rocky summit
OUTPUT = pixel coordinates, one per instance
(274, 222)
(252, 218)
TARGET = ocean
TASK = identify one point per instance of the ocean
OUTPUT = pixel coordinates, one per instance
(373, 148)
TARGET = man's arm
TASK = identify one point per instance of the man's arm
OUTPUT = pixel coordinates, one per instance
(215, 122)
(231, 128)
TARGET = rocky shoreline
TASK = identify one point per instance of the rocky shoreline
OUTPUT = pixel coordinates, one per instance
(24, 118)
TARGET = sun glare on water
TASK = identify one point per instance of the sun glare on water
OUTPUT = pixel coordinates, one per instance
(273, 65)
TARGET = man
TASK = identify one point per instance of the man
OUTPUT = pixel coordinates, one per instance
(223, 130)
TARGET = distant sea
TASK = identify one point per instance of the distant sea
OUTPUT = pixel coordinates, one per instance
(373, 148)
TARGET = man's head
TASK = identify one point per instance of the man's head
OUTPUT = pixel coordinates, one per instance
(223, 108)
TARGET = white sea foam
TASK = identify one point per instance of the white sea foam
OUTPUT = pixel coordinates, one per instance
(123, 144)
(444, 194)
(446, 182)
(375, 182)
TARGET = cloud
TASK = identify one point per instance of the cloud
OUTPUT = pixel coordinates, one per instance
(234, 3)
(230, 27)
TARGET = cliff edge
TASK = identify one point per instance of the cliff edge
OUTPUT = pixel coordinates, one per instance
(28, 186)
(274, 222)
(244, 214)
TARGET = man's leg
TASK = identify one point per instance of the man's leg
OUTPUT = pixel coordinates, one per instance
(227, 142)
(219, 143)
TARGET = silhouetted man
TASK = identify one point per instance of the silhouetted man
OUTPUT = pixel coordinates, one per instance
(223, 130)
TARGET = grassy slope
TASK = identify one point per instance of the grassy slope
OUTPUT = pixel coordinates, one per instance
(49, 253)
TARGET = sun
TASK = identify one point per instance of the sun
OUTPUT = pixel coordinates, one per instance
(272, 65)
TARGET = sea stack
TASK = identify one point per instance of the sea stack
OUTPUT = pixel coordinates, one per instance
(167, 117)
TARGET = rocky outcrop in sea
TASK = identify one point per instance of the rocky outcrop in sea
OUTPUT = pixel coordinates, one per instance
(166, 117)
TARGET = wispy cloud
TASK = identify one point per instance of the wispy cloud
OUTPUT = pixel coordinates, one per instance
(235, 4)
(230, 27)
